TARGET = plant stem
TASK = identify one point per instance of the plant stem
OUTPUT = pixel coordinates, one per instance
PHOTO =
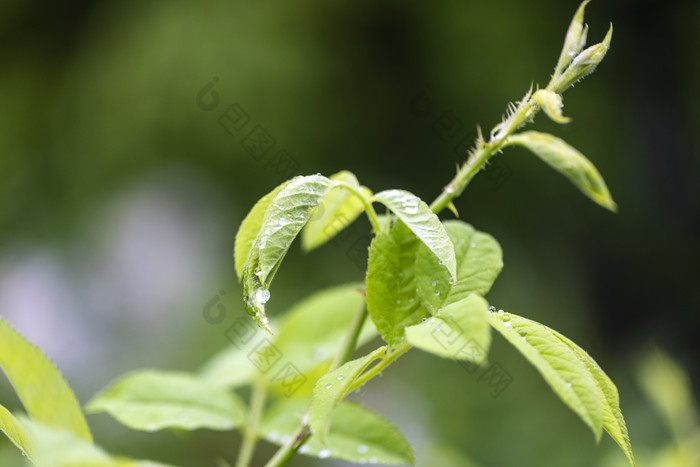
(250, 433)
(369, 209)
(289, 450)
(348, 346)
(383, 363)
(525, 111)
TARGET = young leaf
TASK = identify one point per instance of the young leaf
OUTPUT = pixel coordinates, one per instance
(423, 222)
(459, 331)
(306, 347)
(557, 363)
(337, 211)
(356, 435)
(479, 261)
(574, 41)
(152, 400)
(392, 301)
(332, 388)
(613, 421)
(13, 430)
(551, 103)
(582, 65)
(569, 162)
(44, 393)
(60, 448)
(250, 227)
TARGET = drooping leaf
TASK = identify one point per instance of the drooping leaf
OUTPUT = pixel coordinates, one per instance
(561, 368)
(459, 331)
(152, 400)
(569, 162)
(44, 393)
(356, 435)
(332, 388)
(337, 211)
(59, 448)
(423, 222)
(14, 430)
(479, 261)
(392, 301)
(287, 213)
(613, 421)
(303, 345)
(250, 227)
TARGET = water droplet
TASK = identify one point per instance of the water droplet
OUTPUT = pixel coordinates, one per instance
(258, 272)
(340, 378)
(373, 460)
(472, 244)
(434, 283)
(506, 318)
(452, 281)
(362, 448)
(508, 324)
(437, 293)
(492, 309)
(304, 449)
(522, 332)
(323, 453)
(285, 439)
(272, 436)
(262, 296)
(568, 382)
(328, 386)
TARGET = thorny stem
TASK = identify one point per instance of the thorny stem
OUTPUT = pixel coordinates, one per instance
(250, 433)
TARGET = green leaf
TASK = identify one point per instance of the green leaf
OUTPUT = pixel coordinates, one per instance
(44, 393)
(574, 41)
(337, 211)
(152, 400)
(13, 430)
(557, 363)
(250, 227)
(479, 261)
(289, 210)
(392, 301)
(60, 448)
(332, 388)
(356, 435)
(459, 331)
(287, 214)
(423, 223)
(306, 347)
(613, 421)
(569, 162)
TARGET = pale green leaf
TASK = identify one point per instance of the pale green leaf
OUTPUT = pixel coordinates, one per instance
(13, 430)
(44, 393)
(60, 448)
(569, 162)
(479, 261)
(152, 400)
(332, 388)
(551, 103)
(423, 222)
(561, 368)
(613, 421)
(287, 213)
(337, 211)
(392, 299)
(459, 331)
(300, 344)
(250, 227)
(574, 41)
(356, 435)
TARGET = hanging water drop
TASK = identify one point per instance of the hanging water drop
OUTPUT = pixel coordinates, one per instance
(262, 296)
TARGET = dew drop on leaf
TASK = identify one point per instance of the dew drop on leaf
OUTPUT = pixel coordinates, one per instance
(323, 453)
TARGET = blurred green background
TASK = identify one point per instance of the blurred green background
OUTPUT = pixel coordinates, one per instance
(123, 179)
